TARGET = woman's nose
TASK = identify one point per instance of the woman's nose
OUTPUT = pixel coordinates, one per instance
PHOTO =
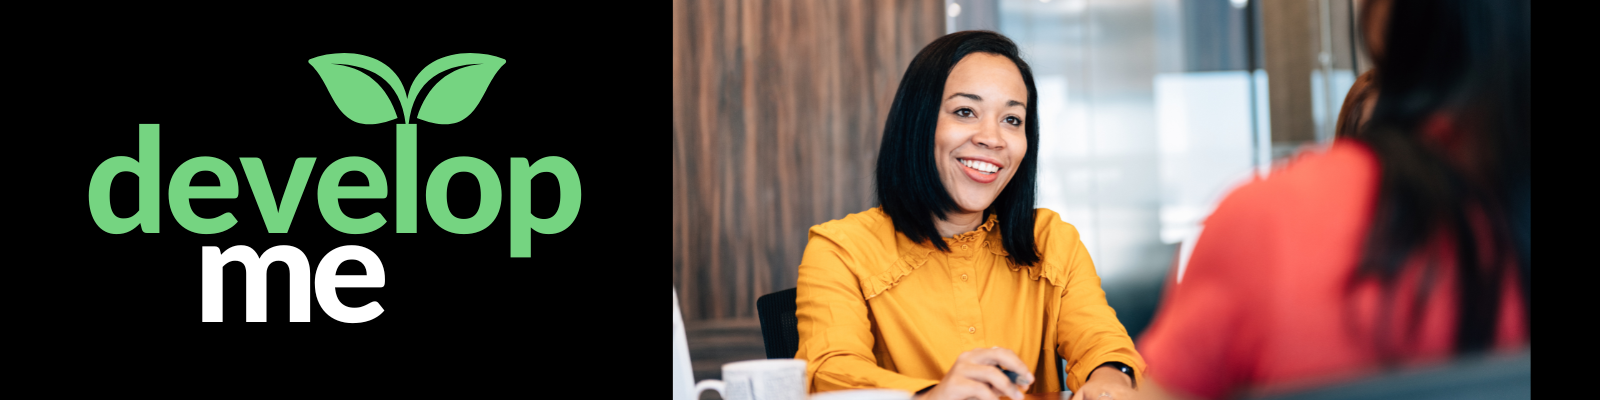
(989, 137)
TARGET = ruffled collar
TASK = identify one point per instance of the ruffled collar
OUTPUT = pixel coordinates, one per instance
(976, 234)
(914, 255)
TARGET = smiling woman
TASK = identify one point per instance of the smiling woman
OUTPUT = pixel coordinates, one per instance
(972, 149)
(956, 273)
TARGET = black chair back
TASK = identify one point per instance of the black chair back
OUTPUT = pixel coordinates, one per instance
(779, 328)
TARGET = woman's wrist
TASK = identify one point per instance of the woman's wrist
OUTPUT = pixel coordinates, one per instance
(1117, 371)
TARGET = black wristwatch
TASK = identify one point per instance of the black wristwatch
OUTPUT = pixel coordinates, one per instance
(1120, 367)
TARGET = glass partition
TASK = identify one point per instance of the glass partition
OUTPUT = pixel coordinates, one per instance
(1150, 111)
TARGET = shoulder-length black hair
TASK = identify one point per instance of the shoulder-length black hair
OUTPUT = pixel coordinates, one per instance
(908, 183)
(1460, 68)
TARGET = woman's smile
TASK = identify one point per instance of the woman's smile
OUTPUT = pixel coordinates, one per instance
(980, 170)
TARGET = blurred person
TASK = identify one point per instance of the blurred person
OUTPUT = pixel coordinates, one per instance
(1406, 244)
(1357, 106)
(955, 273)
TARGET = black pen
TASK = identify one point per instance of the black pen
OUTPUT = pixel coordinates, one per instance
(1012, 375)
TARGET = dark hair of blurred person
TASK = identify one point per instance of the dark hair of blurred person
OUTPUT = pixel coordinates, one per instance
(1452, 130)
(1404, 246)
(1357, 105)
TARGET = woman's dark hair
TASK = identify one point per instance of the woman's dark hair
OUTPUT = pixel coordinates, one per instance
(908, 184)
(1451, 132)
(1361, 91)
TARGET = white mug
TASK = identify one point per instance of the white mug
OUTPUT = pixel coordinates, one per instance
(775, 379)
(864, 394)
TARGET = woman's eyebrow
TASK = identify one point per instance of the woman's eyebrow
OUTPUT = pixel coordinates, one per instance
(966, 95)
(976, 98)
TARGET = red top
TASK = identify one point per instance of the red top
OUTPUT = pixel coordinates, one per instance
(1262, 304)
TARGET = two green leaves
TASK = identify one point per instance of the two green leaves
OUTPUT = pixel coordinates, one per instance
(450, 101)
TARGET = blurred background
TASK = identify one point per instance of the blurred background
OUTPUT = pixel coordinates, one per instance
(1150, 110)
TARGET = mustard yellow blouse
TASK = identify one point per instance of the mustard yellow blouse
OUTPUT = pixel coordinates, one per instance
(877, 310)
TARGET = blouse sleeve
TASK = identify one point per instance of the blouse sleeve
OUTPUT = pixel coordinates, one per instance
(836, 337)
(1088, 333)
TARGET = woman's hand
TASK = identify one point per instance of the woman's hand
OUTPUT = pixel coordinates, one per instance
(974, 376)
(1105, 383)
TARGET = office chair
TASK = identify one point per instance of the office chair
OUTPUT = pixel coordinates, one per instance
(779, 328)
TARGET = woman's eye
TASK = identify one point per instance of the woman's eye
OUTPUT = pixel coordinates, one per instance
(1014, 121)
(964, 112)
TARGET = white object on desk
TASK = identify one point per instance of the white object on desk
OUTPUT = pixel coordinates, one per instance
(777, 379)
(683, 387)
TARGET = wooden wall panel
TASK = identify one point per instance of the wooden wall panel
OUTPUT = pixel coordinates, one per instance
(1294, 33)
(778, 107)
(1290, 34)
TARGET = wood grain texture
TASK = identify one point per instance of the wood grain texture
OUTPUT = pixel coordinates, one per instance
(1290, 34)
(778, 108)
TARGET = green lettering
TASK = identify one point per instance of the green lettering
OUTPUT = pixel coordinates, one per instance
(488, 190)
(329, 192)
(277, 216)
(148, 169)
(522, 218)
(180, 192)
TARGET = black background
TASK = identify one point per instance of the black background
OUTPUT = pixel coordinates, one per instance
(455, 306)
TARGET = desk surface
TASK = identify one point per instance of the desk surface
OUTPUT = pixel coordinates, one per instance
(1046, 396)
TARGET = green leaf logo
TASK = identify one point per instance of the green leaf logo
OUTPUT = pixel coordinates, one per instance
(466, 78)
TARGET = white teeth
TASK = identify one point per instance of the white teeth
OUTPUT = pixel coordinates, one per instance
(984, 167)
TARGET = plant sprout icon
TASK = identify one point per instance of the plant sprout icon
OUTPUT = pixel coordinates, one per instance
(467, 77)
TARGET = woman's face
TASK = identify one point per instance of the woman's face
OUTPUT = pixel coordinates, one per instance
(981, 135)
